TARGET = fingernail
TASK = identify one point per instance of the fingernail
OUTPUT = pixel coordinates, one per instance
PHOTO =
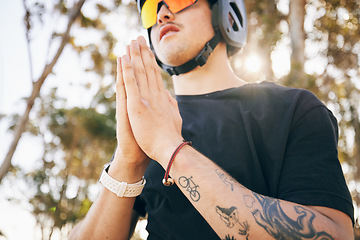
(126, 58)
(135, 44)
(141, 40)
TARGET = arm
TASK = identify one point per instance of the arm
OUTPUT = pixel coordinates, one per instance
(110, 216)
(233, 212)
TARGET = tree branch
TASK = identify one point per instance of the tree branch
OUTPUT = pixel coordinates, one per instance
(27, 35)
(21, 125)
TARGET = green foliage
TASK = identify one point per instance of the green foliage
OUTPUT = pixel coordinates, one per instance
(340, 25)
(88, 135)
(82, 141)
(66, 122)
(77, 141)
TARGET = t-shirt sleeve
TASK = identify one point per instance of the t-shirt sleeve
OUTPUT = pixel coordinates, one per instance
(311, 173)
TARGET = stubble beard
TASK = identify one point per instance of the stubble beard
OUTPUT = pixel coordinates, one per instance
(173, 55)
(177, 55)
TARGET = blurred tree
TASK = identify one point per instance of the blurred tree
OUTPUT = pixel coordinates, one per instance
(296, 76)
(77, 144)
(78, 141)
(338, 28)
(22, 121)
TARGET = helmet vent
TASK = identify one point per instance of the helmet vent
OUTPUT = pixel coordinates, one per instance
(238, 16)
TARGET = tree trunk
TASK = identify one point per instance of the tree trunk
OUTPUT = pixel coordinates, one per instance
(21, 125)
(297, 34)
(266, 43)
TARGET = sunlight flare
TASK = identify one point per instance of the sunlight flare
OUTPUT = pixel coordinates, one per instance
(253, 63)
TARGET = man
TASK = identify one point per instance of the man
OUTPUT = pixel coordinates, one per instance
(263, 164)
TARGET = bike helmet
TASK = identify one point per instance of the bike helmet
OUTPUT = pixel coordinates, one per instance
(230, 25)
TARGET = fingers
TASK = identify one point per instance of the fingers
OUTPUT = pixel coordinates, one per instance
(149, 65)
(150, 60)
(120, 88)
(159, 81)
(120, 93)
(128, 51)
(121, 108)
(130, 83)
(138, 66)
(145, 75)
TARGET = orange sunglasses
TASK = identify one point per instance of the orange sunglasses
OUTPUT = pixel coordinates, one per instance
(149, 9)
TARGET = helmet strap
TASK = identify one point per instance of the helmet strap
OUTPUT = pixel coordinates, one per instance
(199, 60)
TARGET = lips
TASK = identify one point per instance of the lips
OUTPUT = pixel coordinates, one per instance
(167, 29)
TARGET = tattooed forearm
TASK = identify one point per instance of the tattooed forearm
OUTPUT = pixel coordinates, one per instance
(227, 237)
(244, 228)
(230, 217)
(249, 201)
(227, 180)
(191, 187)
(280, 226)
(271, 216)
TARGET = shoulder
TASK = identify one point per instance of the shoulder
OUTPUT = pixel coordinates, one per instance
(273, 103)
(270, 90)
(274, 97)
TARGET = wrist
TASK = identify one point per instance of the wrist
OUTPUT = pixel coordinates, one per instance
(135, 158)
(168, 181)
(166, 149)
(129, 170)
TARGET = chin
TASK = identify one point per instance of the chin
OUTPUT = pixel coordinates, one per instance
(171, 57)
(175, 55)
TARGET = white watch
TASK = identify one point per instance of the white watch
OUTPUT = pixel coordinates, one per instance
(121, 189)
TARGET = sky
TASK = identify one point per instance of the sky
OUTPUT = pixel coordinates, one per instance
(15, 220)
(12, 48)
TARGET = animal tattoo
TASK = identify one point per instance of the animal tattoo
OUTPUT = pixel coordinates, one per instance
(230, 217)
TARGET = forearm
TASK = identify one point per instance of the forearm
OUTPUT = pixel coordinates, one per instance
(110, 216)
(234, 211)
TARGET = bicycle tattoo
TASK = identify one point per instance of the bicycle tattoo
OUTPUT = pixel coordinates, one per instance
(191, 187)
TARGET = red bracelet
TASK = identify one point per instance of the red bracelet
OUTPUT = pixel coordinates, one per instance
(168, 181)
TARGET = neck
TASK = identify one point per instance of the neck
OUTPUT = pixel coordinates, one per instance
(215, 75)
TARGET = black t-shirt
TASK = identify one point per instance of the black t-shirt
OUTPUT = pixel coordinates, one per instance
(277, 141)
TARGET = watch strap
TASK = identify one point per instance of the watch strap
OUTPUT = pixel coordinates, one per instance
(121, 189)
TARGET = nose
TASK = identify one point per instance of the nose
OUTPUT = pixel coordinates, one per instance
(164, 15)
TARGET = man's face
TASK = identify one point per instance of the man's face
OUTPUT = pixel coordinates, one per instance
(179, 37)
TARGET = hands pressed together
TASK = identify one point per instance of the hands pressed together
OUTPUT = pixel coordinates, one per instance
(148, 119)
